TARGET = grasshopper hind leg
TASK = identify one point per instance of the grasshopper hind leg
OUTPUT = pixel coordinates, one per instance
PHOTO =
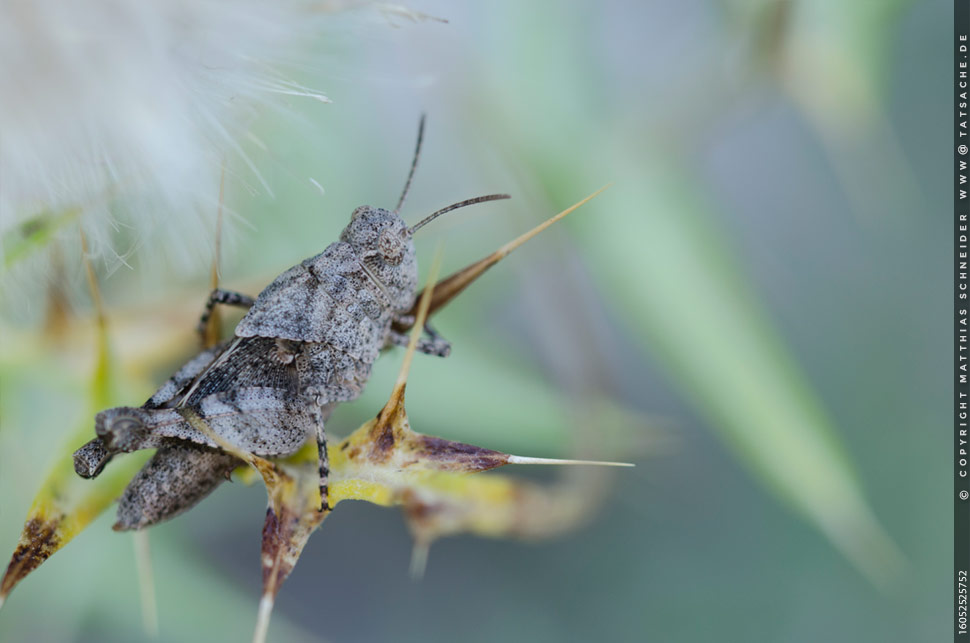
(173, 481)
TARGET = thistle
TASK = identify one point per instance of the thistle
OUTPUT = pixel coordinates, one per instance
(384, 462)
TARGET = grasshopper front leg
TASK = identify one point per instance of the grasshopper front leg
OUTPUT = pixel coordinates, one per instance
(225, 297)
(433, 344)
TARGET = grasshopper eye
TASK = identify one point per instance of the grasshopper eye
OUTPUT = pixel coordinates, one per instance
(391, 246)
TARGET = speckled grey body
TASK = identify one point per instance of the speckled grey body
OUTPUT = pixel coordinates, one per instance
(307, 343)
(345, 297)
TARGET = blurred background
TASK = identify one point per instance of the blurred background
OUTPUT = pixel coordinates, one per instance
(754, 313)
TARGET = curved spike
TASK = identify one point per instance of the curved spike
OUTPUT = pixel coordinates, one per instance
(452, 285)
(397, 394)
(419, 560)
(520, 459)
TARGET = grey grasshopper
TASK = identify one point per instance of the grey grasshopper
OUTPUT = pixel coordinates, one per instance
(306, 343)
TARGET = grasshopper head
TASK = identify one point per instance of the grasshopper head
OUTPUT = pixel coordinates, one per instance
(384, 246)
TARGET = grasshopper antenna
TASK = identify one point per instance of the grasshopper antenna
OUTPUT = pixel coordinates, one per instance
(414, 164)
(454, 206)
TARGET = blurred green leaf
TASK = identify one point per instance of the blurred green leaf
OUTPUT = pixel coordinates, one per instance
(672, 278)
(67, 503)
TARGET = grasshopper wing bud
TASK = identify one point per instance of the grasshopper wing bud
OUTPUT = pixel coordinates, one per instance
(323, 300)
(296, 306)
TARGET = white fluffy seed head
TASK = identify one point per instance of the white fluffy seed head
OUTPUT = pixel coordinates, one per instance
(118, 115)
